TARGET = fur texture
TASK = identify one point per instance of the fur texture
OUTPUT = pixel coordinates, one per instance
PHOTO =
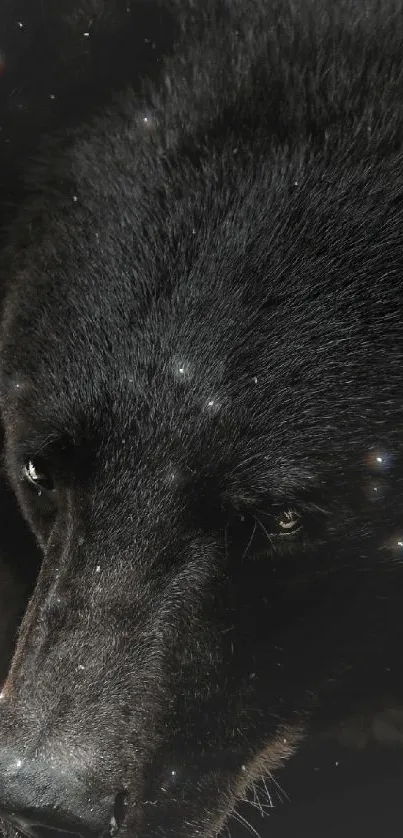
(201, 356)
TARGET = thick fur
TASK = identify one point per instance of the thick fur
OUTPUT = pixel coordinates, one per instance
(201, 353)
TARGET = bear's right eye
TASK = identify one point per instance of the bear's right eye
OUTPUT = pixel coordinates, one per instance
(37, 476)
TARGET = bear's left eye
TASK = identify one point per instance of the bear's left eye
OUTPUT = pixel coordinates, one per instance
(289, 522)
(280, 529)
(37, 475)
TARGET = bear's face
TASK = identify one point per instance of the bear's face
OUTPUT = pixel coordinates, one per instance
(156, 621)
(191, 432)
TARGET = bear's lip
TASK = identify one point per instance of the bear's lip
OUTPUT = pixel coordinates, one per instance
(43, 830)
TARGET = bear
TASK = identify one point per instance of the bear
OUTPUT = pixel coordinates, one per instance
(200, 388)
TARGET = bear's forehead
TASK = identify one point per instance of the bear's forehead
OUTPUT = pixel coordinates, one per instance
(160, 399)
(82, 342)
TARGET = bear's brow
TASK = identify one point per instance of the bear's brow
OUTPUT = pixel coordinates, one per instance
(49, 444)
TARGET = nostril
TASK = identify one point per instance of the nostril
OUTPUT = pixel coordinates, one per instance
(119, 813)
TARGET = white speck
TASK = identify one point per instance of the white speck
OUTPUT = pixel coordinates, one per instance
(81, 667)
(98, 568)
(173, 773)
(285, 741)
(255, 379)
(182, 369)
(20, 24)
(2, 696)
(75, 199)
(213, 405)
(400, 543)
(52, 96)
(18, 763)
(147, 120)
(380, 458)
(336, 764)
(243, 767)
(86, 34)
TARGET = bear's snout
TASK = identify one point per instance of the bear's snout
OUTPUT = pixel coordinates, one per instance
(42, 797)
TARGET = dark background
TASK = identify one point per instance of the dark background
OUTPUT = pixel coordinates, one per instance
(334, 790)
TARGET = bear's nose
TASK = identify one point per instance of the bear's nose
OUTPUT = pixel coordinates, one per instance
(42, 801)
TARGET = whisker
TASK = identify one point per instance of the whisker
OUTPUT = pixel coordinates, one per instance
(266, 806)
(279, 788)
(244, 822)
(250, 541)
(267, 534)
(262, 808)
(269, 797)
(256, 801)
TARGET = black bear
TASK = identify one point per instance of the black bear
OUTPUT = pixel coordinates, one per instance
(201, 356)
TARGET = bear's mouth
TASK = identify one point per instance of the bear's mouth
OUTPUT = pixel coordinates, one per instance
(43, 830)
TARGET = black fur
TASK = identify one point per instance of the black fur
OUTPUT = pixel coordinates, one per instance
(201, 355)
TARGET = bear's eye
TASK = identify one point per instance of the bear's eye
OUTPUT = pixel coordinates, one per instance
(37, 476)
(289, 522)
